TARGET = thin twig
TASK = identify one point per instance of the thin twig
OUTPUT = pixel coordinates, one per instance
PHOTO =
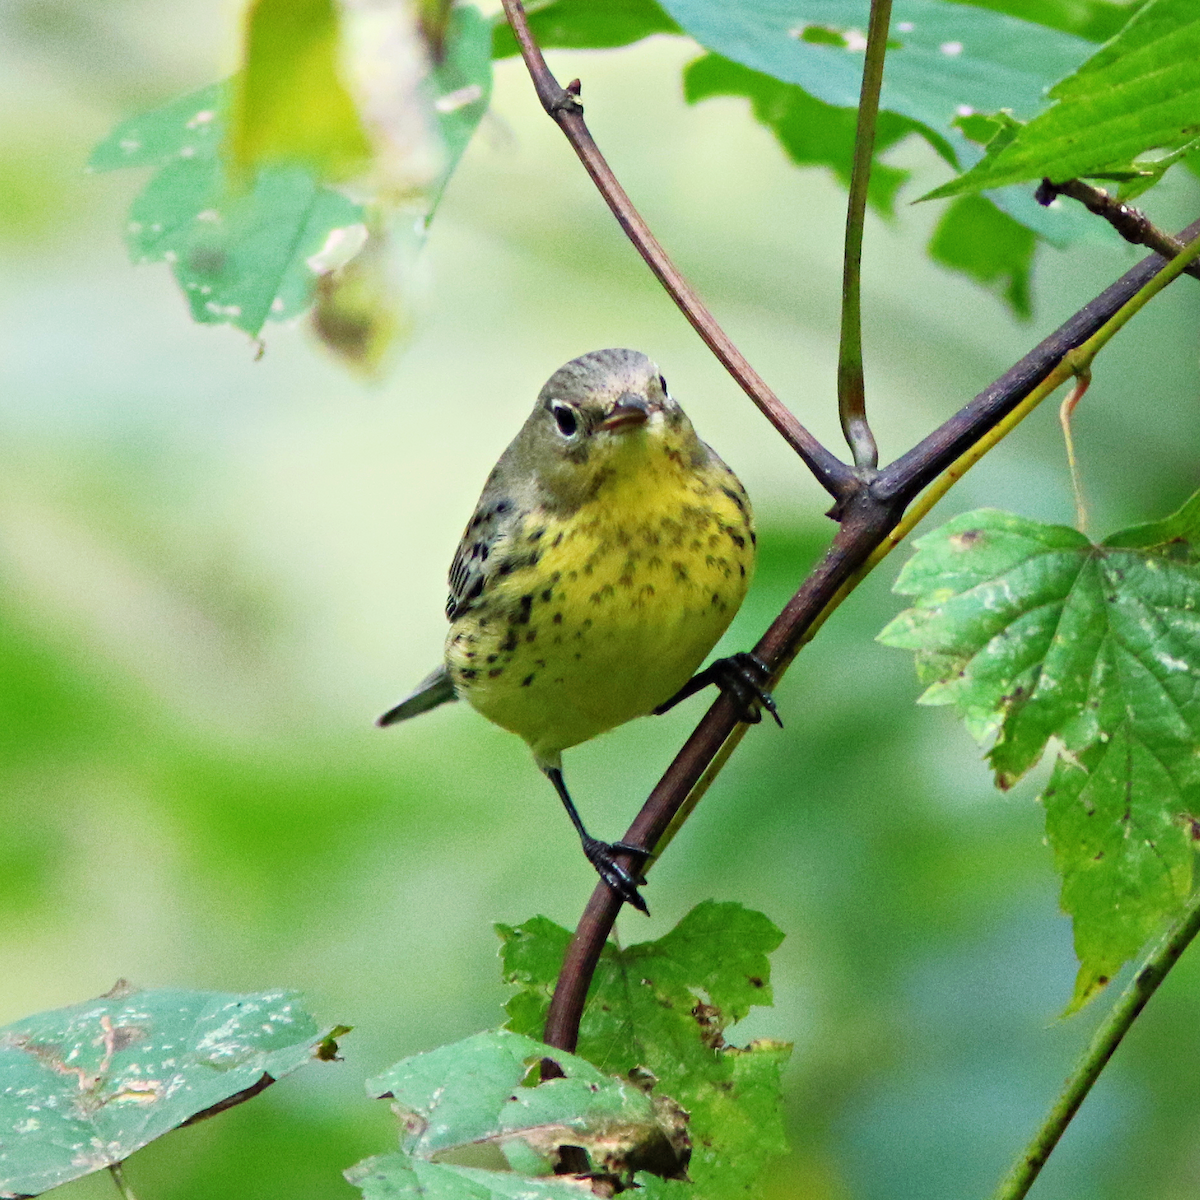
(1131, 223)
(852, 395)
(869, 519)
(117, 1171)
(562, 104)
(1107, 1038)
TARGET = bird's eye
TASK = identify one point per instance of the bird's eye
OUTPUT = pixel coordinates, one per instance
(565, 418)
(662, 383)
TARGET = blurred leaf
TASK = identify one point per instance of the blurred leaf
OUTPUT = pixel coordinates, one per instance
(480, 1092)
(1033, 633)
(1139, 93)
(86, 1086)
(362, 308)
(244, 254)
(811, 133)
(1096, 20)
(663, 1007)
(239, 257)
(462, 87)
(289, 103)
(580, 24)
(975, 237)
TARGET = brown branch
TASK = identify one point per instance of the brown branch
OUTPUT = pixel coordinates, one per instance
(562, 104)
(869, 505)
(1131, 223)
(868, 518)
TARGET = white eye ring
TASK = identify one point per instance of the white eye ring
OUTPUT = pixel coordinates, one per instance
(565, 417)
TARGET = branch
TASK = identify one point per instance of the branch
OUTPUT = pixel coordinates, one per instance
(867, 521)
(1131, 223)
(910, 473)
(1105, 1041)
(838, 479)
(852, 393)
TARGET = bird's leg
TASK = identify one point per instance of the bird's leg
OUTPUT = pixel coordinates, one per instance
(742, 677)
(602, 855)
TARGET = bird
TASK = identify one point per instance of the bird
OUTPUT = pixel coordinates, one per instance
(606, 556)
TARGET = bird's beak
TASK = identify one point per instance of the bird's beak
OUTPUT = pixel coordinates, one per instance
(629, 412)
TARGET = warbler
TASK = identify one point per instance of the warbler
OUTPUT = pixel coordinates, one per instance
(608, 552)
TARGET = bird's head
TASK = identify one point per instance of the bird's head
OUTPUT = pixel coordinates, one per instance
(600, 418)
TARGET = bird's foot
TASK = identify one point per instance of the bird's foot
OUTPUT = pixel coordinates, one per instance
(602, 856)
(743, 678)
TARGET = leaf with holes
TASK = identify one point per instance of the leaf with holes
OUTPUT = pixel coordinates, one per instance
(1138, 95)
(484, 1099)
(663, 1007)
(1034, 635)
(82, 1088)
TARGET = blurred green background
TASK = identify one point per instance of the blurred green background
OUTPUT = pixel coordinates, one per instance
(215, 572)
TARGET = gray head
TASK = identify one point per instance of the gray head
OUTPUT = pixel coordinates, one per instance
(596, 414)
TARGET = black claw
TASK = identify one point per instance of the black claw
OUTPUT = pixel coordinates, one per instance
(742, 678)
(602, 856)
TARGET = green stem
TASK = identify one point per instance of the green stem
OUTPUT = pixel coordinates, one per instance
(117, 1171)
(1107, 1038)
(852, 397)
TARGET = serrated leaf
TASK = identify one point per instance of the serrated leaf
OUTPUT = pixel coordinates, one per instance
(476, 1093)
(584, 24)
(82, 1088)
(1032, 633)
(663, 1007)
(1139, 93)
(975, 237)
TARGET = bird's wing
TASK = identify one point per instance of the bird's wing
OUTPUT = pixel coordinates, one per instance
(436, 688)
(474, 562)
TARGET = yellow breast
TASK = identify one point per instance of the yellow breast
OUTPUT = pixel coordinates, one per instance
(611, 609)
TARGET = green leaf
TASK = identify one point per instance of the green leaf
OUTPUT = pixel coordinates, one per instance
(289, 102)
(811, 133)
(975, 237)
(582, 24)
(246, 254)
(240, 256)
(478, 1093)
(1096, 20)
(462, 87)
(944, 61)
(399, 1177)
(1032, 633)
(82, 1088)
(1140, 93)
(942, 58)
(663, 1007)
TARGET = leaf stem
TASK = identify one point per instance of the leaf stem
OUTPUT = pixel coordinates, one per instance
(852, 398)
(117, 1171)
(562, 104)
(1104, 1042)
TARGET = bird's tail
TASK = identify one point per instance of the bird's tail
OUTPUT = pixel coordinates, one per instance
(436, 688)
